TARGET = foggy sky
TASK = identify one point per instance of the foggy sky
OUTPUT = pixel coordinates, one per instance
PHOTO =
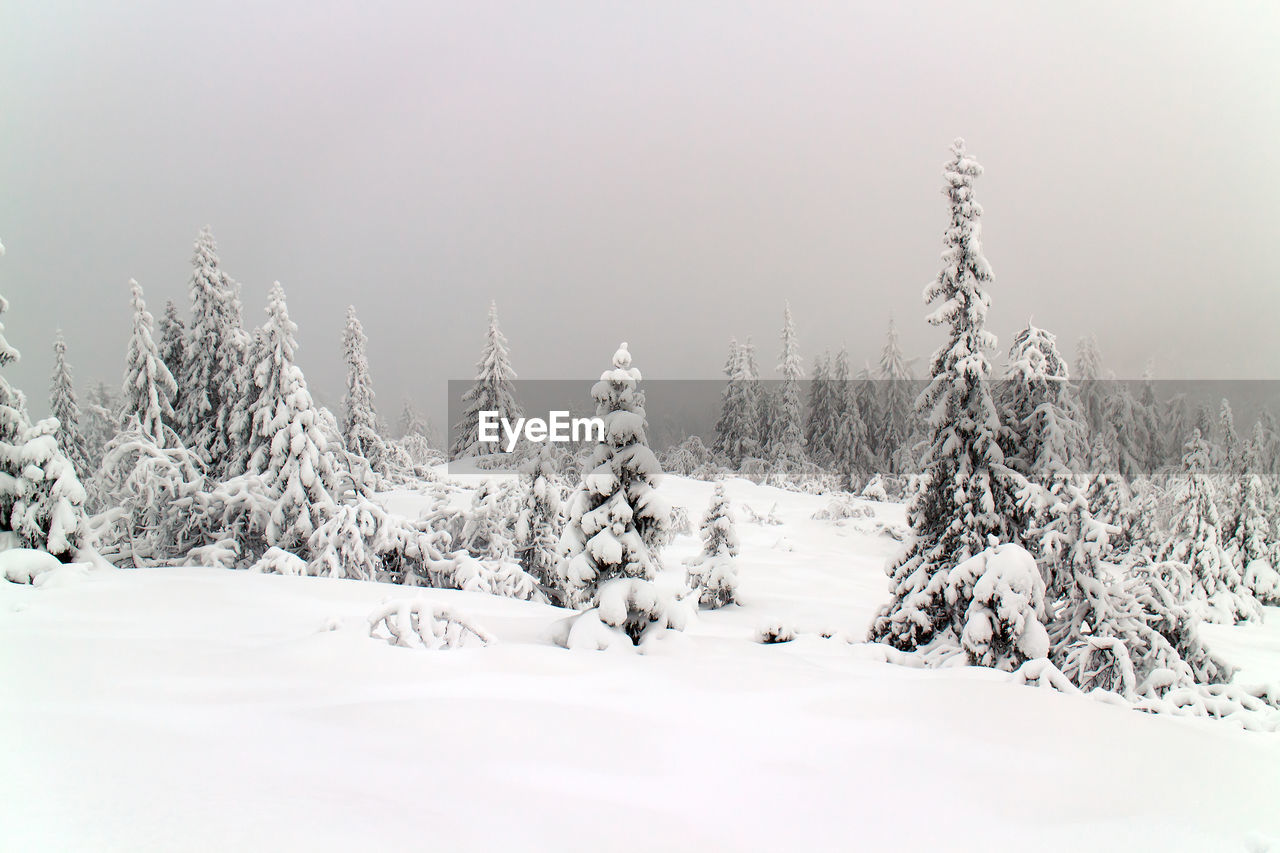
(658, 172)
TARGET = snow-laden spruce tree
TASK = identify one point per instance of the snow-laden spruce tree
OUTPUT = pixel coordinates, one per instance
(290, 451)
(711, 574)
(1232, 451)
(541, 519)
(48, 513)
(1252, 533)
(63, 406)
(1041, 412)
(41, 499)
(411, 421)
(1196, 541)
(13, 425)
(896, 401)
(738, 428)
(850, 440)
(1092, 387)
(216, 347)
(616, 522)
(149, 387)
(965, 495)
(360, 426)
(820, 420)
(172, 335)
(492, 392)
(786, 426)
(1128, 428)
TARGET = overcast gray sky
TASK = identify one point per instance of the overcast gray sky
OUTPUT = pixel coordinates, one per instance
(660, 172)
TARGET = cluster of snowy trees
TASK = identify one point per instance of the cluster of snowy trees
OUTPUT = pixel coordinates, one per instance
(1033, 538)
(1054, 516)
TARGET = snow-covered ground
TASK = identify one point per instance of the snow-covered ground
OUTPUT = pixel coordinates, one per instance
(205, 709)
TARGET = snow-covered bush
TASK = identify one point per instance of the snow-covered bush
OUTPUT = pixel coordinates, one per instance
(875, 490)
(413, 622)
(680, 523)
(711, 574)
(842, 507)
(1263, 581)
(277, 561)
(26, 565)
(635, 607)
(998, 598)
(155, 500)
(770, 518)
(775, 632)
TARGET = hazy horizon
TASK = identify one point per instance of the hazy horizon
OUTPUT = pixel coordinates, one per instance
(661, 175)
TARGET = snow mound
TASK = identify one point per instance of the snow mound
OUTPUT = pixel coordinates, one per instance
(27, 565)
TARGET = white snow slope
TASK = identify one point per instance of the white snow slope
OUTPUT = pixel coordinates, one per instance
(204, 709)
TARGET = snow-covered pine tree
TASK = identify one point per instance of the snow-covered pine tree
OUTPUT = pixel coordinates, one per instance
(820, 418)
(41, 499)
(1042, 416)
(1196, 541)
(850, 443)
(1175, 425)
(1251, 535)
(216, 347)
(48, 514)
(1092, 390)
(149, 387)
(711, 574)
(737, 430)
(492, 391)
(965, 495)
(1152, 419)
(786, 427)
(1232, 453)
(1127, 425)
(897, 400)
(1044, 440)
(411, 422)
(616, 520)
(63, 406)
(172, 333)
(360, 427)
(290, 451)
(540, 521)
(13, 426)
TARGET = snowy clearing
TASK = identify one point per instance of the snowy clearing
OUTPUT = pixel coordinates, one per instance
(206, 709)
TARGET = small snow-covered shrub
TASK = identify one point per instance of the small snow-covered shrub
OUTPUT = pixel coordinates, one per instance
(875, 490)
(416, 623)
(25, 565)
(756, 518)
(637, 608)
(1263, 581)
(223, 554)
(998, 595)
(1101, 663)
(680, 523)
(277, 561)
(842, 507)
(775, 632)
(711, 573)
